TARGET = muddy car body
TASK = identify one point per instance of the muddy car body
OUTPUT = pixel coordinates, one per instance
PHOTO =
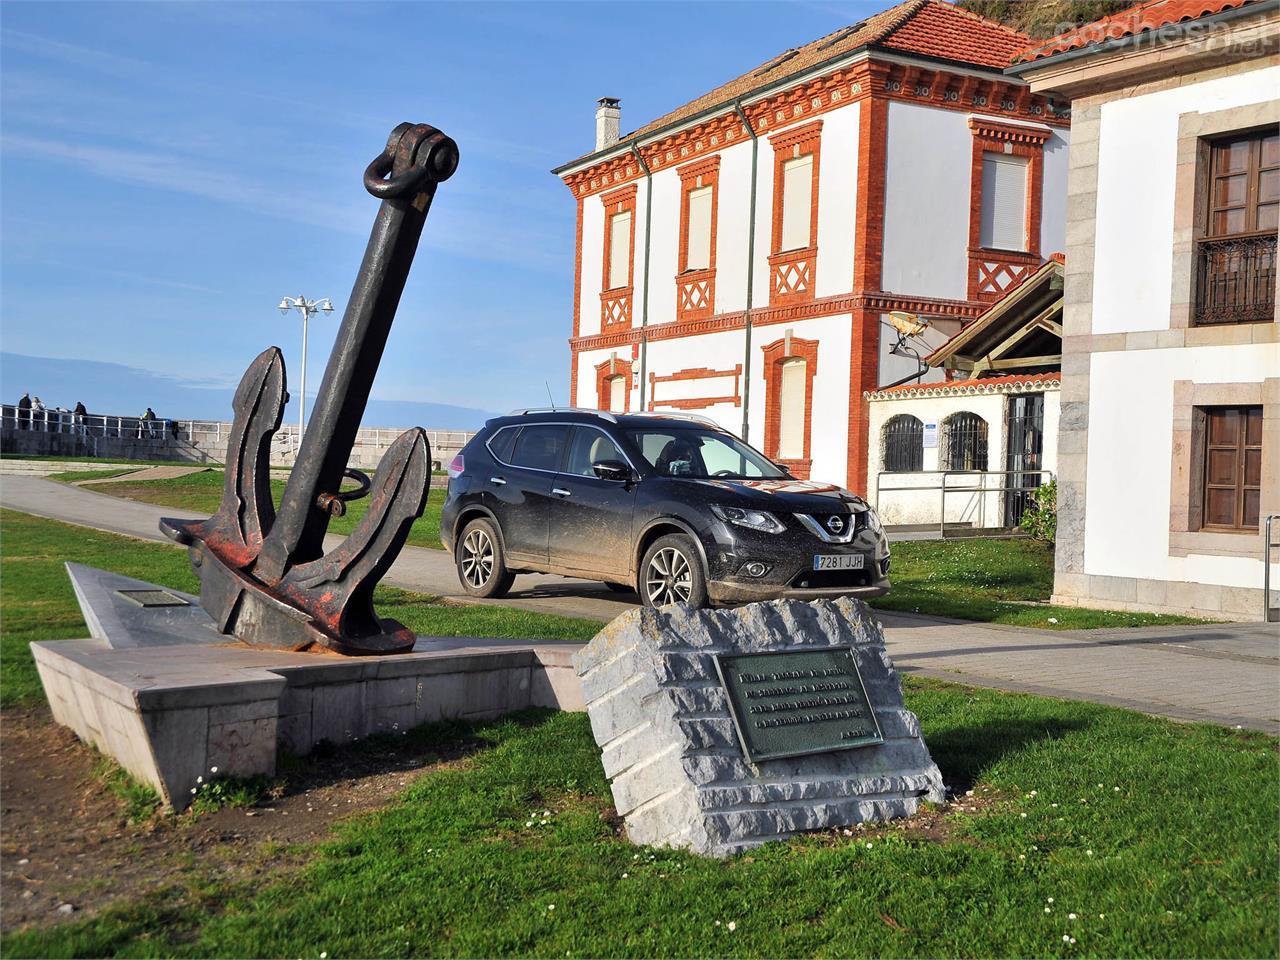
(673, 506)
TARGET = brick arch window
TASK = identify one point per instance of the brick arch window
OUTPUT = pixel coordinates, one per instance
(903, 444)
(613, 385)
(699, 203)
(1006, 191)
(964, 442)
(618, 271)
(789, 368)
(794, 249)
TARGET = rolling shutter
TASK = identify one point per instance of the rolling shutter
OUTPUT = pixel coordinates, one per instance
(1004, 202)
(797, 200)
(699, 255)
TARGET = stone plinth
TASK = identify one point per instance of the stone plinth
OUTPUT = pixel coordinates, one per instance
(670, 747)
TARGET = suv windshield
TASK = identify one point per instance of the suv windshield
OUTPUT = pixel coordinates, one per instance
(701, 454)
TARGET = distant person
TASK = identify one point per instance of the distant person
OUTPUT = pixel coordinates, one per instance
(77, 416)
(24, 412)
(149, 418)
(38, 413)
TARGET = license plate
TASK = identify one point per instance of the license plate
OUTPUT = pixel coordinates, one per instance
(838, 561)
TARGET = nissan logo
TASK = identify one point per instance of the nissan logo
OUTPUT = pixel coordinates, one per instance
(835, 524)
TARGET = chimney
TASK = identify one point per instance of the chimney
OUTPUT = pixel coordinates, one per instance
(608, 118)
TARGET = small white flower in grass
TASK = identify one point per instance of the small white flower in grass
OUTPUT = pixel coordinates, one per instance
(1116, 789)
(1022, 856)
(546, 813)
(1102, 916)
(323, 954)
(1053, 619)
(1065, 938)
(1049, 900)
(1054, 805)
(213, 769)
(193, 789)
(1099, 786)
(624, 876)
(635, 856)
(1072, 916)
(544, 823)
(733, 925)
(1023, 815)
(528, 823)
(551, 906)
(717, 923)
(199, 779)
(1034, 792)
(1088, 853)
(1073, 939)
(1048, 910)
(868, 845)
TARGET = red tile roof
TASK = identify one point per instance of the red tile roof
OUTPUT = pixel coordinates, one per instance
(981, 385)
(1151, 15)
(929, 28)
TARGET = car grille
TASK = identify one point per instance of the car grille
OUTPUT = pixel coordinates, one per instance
(824, 579)
(816, 523)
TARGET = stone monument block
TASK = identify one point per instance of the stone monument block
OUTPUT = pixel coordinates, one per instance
(721, 730)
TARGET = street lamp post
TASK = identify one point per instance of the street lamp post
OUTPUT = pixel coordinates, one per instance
(306, 308)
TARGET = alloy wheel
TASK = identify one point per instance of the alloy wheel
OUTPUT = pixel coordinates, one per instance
(477, 558)
(668, 578)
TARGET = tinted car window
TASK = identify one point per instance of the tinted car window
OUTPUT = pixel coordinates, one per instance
(501, 442)
(695, 452)
(590, 446)
(539, 447)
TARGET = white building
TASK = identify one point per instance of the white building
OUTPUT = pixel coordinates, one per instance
(1169, 445)
(975, 448)
(895, 167)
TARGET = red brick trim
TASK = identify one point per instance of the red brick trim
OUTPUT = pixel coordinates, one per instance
(868, 257)
(696, 373)
(696, 289)
(792, 273)
(616, 302)
(992, 273)
(611, 368)
(913, 84)
(765, 316)
(775, 354)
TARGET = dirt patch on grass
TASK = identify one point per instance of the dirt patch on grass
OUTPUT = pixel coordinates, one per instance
(68, 848)
(931, 823)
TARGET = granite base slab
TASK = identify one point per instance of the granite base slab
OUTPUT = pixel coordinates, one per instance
(170, 714)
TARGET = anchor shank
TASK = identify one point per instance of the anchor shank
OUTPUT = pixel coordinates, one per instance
(297, 535)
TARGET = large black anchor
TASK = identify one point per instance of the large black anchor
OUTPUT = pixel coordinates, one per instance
(264, 576)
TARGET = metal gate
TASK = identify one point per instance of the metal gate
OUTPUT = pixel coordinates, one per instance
(1024, 428)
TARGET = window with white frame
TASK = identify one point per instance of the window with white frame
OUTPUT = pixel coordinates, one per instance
(698, 256)
(791, 409)
(797, 201)
(619, 250)
(1004, 202)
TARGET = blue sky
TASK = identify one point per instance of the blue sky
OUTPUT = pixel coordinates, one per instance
(170, 170)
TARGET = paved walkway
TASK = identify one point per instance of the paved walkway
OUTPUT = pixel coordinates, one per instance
(1220, 673)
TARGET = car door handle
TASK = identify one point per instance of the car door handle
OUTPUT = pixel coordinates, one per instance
(561, 492)
(497, 481)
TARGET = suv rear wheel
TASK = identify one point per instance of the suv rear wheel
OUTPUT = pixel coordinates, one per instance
(671, 572)
(482, 570)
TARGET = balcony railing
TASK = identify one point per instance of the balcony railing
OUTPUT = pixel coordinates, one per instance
(1236, 279)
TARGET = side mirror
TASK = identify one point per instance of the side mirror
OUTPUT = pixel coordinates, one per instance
(612, 470)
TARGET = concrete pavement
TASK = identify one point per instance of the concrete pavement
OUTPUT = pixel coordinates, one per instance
(1219, 673)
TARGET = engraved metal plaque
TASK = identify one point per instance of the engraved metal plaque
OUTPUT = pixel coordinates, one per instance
(153, 598)
(798, 702)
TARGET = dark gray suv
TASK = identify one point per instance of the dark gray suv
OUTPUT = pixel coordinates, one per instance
(671, 505)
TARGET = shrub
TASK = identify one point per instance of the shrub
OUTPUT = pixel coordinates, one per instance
(1040, 520)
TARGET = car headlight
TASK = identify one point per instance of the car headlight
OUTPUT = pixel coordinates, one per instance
(760, 520)
(873, 522)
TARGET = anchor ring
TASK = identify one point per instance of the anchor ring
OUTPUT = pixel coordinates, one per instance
(435, 158)
(335, 504)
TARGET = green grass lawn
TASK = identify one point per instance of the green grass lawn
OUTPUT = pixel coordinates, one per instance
(993, 581)
(202, 493)
(1160, 838)
(514, 852)
(38, 602)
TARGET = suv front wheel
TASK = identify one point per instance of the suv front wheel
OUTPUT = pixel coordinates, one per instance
(671, 572)
(481, 567)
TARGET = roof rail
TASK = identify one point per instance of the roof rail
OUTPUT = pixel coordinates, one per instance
(602, 414)
(678, 415)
